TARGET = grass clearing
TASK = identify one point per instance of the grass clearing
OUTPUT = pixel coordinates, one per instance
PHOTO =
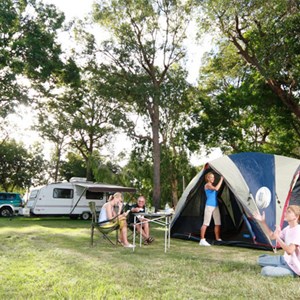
(51, 258)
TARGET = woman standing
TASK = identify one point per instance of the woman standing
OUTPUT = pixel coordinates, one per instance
(108, 214)
(211, 208)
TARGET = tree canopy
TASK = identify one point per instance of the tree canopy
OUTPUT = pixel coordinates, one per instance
(29, 52)
(19, 168)
(237, 111)
(146, 41)
(266, 34)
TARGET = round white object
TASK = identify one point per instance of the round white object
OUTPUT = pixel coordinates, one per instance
(263, 197)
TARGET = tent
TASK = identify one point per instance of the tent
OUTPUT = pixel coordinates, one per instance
(252, 181)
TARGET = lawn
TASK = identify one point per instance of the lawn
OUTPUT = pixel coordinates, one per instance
(51, 258)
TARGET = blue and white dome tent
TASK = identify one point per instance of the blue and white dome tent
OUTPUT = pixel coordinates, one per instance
(252, 181)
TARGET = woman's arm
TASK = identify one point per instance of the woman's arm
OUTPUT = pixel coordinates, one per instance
(109, 211)
(262, 219)
(219, 183)
(289, 249)
(120, 207)
(210, 186)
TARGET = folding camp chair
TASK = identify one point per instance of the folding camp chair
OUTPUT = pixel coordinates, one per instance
(105, 229)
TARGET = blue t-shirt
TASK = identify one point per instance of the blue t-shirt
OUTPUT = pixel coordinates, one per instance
(211, 198)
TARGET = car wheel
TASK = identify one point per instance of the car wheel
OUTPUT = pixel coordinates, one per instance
(85, 215)
(6, 212)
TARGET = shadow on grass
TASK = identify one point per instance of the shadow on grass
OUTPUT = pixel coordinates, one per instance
(51, 222)
(74, 235)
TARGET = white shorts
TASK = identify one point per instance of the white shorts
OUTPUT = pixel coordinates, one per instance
(211, 211)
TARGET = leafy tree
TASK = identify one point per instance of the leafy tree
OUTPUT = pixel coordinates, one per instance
(28, 49)
(178, 99)
(237, 111)
(52, 126)
(266, 36)
(147, 40)
(72, 166)
(176, 168)
(78, 115)
(89, 115)
(19, 168)
(139, 171)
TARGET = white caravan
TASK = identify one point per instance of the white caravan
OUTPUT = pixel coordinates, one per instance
(70, 198)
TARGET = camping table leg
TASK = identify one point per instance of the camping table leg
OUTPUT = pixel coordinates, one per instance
(141, 224)
(162, 220)
(169, 231)
(166, 234)
(134, 230)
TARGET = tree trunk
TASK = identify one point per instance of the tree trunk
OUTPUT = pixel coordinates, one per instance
(174, 184)
(57, 162)
(285, 97)
(156, 158)
(89, 172)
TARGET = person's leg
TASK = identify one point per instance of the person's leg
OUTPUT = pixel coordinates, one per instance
(269, 260)
(140, 229)
(203, 231)
(207, 217)
(217, 220)
(149, 239)
(146, 229)
(123, 232)
(271, 271)
(217, 230)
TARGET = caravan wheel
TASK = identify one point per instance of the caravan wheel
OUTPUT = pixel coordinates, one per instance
(85, 215)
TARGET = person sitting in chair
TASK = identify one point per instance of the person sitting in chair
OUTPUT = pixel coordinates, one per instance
(109, 214)
(142, 228)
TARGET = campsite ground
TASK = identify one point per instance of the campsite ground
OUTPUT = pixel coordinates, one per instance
(51, 258)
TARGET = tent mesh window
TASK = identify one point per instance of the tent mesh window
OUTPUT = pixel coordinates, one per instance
(295, 196)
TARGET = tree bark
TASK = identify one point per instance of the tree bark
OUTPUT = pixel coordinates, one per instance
(156, 158)
(89, 172)
(57, 163)
(174, 191)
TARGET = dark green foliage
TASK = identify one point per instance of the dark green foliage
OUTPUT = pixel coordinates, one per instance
(266, 34)
(29, 50)
(19, 168)
(237, 110)
(72, 166)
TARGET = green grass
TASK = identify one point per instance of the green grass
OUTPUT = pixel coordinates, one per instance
(51, 258)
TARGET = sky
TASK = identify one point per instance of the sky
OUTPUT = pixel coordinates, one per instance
(23, 121)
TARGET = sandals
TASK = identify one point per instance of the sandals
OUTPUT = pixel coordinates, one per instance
(149, 240)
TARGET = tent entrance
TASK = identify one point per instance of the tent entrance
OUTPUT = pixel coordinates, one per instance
(235, 228)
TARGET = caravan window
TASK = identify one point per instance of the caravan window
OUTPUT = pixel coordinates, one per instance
(33, 194)
(94, 195)
(62, 193)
